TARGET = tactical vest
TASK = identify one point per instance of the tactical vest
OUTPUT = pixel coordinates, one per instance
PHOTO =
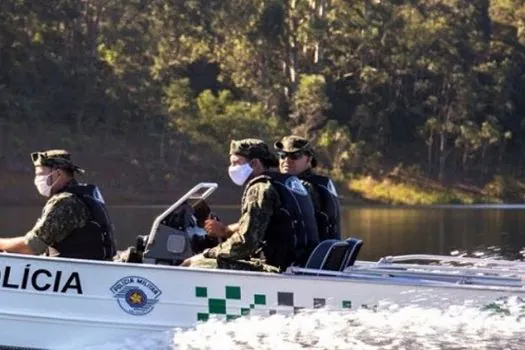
(329, 216)
(292, 232)
(94, 241)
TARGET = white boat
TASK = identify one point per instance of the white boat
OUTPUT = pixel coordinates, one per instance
(54, 303)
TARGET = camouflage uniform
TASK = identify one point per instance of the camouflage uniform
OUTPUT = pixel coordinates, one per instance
(292, 144)
(62, 213)
(259, 201)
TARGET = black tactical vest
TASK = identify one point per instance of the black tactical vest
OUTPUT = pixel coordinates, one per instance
(329, 216)
(94, 241)
(292, 232)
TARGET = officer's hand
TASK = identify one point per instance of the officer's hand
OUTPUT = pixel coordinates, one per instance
(215, 228)
(189, 261)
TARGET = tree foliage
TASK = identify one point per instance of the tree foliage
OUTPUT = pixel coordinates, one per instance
(432, 83)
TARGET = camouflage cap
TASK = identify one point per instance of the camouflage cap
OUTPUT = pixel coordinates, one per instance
(253, 148)
(292, 144)
(55, 158)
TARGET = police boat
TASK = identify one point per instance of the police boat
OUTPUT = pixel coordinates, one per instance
(59, 303)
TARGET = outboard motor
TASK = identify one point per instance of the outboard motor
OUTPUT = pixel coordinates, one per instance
(178, 233)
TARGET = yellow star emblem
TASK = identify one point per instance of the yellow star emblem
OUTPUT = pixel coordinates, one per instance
(135, 298)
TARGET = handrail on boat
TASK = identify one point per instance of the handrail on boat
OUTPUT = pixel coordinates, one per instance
(461, 275)
(210, 188)
(505, 270)
(420, 280)
(445, 258)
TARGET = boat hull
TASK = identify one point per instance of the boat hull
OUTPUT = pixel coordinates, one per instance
(63, 303)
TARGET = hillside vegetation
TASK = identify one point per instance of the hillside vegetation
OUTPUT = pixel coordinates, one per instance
(407, 101)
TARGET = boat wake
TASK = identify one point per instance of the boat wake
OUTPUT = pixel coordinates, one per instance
(499, 325)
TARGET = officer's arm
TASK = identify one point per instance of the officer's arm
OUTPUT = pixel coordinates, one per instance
(232, 228)
(60, 216)
(15, 245)
(260, 202)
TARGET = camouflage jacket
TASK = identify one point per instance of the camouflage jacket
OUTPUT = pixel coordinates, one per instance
(259, 202)
(61, 215)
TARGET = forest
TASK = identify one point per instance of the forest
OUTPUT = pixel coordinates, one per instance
(149, 93)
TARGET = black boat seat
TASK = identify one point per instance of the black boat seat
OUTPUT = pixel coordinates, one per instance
(334, 255)
(354, 246)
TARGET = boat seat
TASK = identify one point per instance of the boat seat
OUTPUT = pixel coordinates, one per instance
(342, 255)
(354, 246)
(318, 255)
(328, 255)
(334, 255)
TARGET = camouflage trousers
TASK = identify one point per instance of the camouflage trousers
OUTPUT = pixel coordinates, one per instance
(229, 264)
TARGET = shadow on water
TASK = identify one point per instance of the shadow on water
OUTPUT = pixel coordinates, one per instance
(485, 230)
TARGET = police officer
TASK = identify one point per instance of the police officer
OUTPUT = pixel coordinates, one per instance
(74, 221)
(297, 157)
(277, 227)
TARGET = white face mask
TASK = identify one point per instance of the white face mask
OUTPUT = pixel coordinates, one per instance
(42, 186)
(240, 173)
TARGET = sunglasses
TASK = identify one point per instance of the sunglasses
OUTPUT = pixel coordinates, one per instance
(292, 155)
(37, 155)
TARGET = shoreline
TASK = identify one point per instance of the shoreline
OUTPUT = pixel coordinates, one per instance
(128, 186)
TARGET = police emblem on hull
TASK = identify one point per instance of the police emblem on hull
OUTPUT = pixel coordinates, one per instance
(136, 295)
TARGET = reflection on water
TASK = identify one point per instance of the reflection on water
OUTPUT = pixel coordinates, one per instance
(388, 231)
(385, 231)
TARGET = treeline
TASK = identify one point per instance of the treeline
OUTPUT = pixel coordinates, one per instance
(435, 84)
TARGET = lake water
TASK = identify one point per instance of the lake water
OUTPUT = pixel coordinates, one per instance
(384, 230)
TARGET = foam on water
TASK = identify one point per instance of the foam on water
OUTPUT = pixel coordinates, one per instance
(499, 326)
